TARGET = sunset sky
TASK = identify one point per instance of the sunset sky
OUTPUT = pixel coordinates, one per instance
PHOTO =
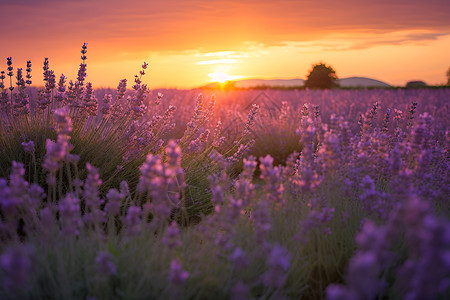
(189, 43)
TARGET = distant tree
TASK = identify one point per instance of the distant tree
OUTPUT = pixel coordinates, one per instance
(321, 77)
(416, 84)
(448, 76)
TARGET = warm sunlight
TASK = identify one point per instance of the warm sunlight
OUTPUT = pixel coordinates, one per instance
(221, 77)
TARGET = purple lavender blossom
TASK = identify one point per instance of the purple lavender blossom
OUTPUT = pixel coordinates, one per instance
(106, 105)
(91, 185)
(250, 119)
(105, 264)
(239, 259)
(28, 73)
(55, 153)
(278, 264)
(90, 102)
(273, 188)
(241, 151)
(163, 181)
(133, 220)
(315, 220)
(36, 195)
(244, 188)
(262, 219)
(70, 215)
(17, 264)
(28, 147)
(176, 274)
(425, 272)
(63, 121)
(172, 238)
(112, 207)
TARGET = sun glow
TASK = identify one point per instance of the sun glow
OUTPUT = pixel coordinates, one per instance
(222, 77)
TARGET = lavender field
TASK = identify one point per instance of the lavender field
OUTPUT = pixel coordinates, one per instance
(229, 194)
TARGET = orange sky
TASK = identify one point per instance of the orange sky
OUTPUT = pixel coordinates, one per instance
(187, 41)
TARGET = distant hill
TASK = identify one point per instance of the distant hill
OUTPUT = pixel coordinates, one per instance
(363, 82)
(350, 82)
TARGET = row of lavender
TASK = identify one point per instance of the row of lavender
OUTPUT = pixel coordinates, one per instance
(274, 231)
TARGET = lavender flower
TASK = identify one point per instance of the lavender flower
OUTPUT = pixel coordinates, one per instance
(10, 70)
(250, 119)
(106, 105)
(60, 94)
(93, 214)
(158, 98)
(373, 201)
(164, 181)
(28, 147)
(239, 259)
(2, 78)
(43, 99)
(177, 275)
(172, 236)
(18, 185)
(278, 264)
(91, 186)
(133, 220)
(82, 73)
(241, 151)
(36, 195)
(262, 219)
(70, 215)
(272, 176)
(114, 203)
(90, 102)
(425, 272)
(49, 77)
(21, 105)
(316, 220)
(63, 121)
(105, 264)
(121, 90)
(244, 189)
(55, 153)
(217, 197)
(17, 264)
(28, 76)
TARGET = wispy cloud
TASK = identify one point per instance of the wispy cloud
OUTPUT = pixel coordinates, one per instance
(218, 61)
(213, 25)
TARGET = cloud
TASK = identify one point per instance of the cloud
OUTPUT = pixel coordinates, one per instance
(141, 26)
(218, 61)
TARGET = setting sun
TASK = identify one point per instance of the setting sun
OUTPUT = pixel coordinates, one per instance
(221, 77)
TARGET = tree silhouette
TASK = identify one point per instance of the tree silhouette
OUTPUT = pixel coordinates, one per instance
(321, 77)
(448, 76)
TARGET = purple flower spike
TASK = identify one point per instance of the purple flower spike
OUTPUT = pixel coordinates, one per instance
(114, 202)
(70, 215)
(177, 275)
(239, 259)
(16, 262)
(105, 264)
(133, 220)
(278, 263)
(172, 237)
(28, 147)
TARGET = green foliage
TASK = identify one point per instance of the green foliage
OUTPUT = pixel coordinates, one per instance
(101, 150)
(321, 76)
